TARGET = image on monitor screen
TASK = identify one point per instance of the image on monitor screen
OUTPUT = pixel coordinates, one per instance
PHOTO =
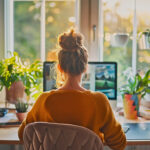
(101, 76)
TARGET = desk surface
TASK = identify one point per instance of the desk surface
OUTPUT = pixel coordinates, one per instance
(9, 136)
(138, 134)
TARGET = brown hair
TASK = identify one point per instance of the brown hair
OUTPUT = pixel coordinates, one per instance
(73, 56)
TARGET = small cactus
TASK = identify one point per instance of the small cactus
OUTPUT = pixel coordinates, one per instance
(21, 107)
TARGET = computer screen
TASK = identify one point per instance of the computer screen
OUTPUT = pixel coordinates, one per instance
(100, 76)
(49, 76)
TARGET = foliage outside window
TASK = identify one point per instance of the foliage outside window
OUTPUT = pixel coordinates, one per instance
(120, 16)
(60, 15)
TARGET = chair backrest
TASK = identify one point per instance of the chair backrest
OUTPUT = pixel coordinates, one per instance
(57, 136)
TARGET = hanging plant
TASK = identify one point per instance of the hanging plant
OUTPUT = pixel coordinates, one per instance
(144, 39)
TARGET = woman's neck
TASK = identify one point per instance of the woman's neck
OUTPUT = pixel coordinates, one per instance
(72, 83)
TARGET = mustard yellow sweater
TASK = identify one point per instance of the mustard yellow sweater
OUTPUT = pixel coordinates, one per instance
(84, 108)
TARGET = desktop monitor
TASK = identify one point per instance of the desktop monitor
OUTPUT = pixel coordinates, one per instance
(49, 76)
(100, 76)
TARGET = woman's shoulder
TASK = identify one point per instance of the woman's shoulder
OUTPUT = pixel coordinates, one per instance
(43, 96)
(100, 97)
(98, 94)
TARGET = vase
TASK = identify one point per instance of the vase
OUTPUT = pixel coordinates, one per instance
(16, 91)
(131, 105)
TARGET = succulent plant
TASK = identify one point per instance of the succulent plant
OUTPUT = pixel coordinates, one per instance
(21, 107)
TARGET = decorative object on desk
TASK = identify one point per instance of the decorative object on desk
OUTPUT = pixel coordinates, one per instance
(18, 78)
(131, 105)
(133, 91)
(145, 112)
(3, 112)
(146, 100)
(16, 90)
(144, 40)
(120, 39)
(21, 109)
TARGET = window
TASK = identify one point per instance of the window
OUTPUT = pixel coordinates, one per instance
(60, 16)
(118, 22)
(32, 38)
(125, 18)
(37, 23)
(27, 29)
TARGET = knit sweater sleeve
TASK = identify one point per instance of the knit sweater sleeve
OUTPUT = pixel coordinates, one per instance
(114, 136)
(31, 115)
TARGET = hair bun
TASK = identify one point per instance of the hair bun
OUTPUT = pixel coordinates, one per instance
(70, 40)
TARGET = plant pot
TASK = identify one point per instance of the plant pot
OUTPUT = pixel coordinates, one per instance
(16, 91)
(144, 41)
(21, 116)
(119, 39)
(131, 105)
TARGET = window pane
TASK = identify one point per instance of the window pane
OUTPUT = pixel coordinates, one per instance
(60, 16)
(143, 56)
(27, 29)
(118, 16)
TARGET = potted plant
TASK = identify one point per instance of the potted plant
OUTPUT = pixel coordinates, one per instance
(119, 39)
(18, 78)
(21, 109)
(144, 40)
(132, 92)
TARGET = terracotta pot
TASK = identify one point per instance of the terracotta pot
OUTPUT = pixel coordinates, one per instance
(131, 105)
(16, 91)
(21, 116)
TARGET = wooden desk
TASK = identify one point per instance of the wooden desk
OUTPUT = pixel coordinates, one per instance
(9, 136)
